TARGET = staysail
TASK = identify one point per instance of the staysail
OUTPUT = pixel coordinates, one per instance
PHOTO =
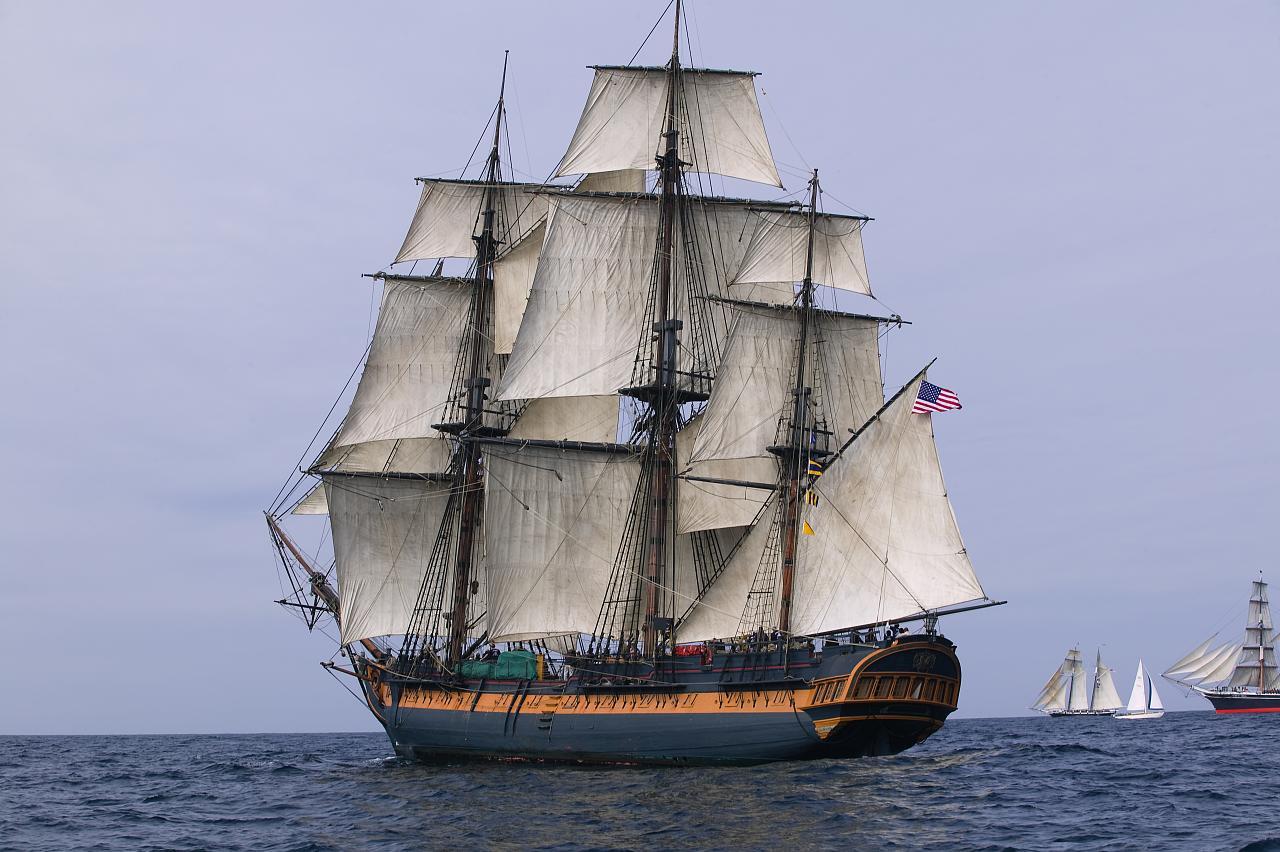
(1104, 695)
(885, 544)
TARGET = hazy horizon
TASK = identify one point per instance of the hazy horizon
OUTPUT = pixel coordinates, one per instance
(1073, 206)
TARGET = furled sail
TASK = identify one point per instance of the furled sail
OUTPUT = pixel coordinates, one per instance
(554, 522)
(885, 543)
(778, 252)
(1104, 695)
(623, 120)
(406, 381)
(383, 532)
(448, 216)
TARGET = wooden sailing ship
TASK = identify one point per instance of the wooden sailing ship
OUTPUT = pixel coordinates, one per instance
(626, 491)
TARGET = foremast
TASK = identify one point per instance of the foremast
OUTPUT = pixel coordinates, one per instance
(470, 476)
(458, 537)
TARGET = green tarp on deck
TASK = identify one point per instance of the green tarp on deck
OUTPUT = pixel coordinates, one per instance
(510, 665)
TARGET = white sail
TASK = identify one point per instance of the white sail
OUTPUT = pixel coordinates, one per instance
(885, 543)
(622, 124)
(1075, 672)
(1216, 667)
(1104, 695)
(719, 612)
(778, 253)
(622, 180)
(448, 216)
(1256, 664)
(717, 505)
(591, 419)
(313, 502)
(1057, 698)
(554, 520)
(406, 381)
(582, 323)
(754, 384)
(383, 531)
(513, 273)
(1193, 659)
(1155, 703)
(514, 269)
(1138, 696)
(586, 309)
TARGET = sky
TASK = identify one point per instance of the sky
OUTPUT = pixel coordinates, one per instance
(1075, 205)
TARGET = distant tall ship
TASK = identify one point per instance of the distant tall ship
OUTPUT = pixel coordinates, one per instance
(1069, 692)
(624, 490)
(1144, 701)
(1237, 677)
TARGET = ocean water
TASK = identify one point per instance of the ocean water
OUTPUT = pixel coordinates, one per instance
(1188, 781)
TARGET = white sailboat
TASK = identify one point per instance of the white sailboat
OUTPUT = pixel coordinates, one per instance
(1144, 701)
(1066, 693)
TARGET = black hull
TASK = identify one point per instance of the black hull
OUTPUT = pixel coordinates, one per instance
(1245, 702)
(822, 708)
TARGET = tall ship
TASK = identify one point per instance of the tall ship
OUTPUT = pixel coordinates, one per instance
(619, 482)
(1070, 691)
(1236, 677)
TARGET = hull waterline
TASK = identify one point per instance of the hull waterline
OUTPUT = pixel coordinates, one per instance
(1243, 702)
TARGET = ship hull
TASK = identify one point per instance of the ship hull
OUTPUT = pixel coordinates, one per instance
(1072, 714)
(1244, 702)
(1140, 714)
(675, 738)
(834, 712)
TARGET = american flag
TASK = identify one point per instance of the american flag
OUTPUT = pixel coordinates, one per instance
(933, 398)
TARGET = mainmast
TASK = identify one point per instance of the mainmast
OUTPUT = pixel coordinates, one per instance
(664, 407)
(796, 453)
(470, 473)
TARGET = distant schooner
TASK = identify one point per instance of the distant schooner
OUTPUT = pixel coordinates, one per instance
(1068, 692)
(629, 447)
(1237, 677)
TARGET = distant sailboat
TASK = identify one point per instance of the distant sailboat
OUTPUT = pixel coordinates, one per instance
(1144, 701)
(1066, 692)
